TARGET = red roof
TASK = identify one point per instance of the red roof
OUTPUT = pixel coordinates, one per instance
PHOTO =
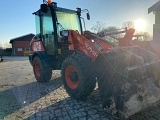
(27, 37)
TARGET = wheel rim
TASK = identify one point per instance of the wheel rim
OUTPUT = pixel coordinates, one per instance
(71, 82)
(37, 69)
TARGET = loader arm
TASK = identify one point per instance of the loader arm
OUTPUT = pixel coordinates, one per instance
(95, 44)
(123, 42)
(91, 48)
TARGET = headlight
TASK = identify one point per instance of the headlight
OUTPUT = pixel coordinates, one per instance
(64, 33)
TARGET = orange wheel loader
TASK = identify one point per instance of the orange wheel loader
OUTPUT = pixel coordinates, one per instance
(127, 75)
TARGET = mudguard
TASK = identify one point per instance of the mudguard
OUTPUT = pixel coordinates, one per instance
(43, 56)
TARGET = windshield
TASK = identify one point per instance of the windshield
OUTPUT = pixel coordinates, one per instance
(68, 21)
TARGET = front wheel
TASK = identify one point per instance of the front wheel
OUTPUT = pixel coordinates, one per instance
(77, 76)
(41, 72)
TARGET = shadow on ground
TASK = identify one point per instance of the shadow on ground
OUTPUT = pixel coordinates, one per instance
(20, 97)
(14, 58)
(17, 97)
(71, 109)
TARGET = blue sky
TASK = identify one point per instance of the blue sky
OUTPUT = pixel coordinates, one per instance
(16, 17)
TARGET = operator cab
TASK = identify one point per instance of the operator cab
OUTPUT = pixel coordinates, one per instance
(50, 21)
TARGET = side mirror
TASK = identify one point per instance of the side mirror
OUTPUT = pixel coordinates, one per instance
(88, 16)
(44, 8)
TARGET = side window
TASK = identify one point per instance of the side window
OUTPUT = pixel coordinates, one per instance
(37, 20)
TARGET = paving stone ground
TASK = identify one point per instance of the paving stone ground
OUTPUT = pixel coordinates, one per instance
(21, 97)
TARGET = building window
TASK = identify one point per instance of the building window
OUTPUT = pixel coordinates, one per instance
(19, 49)
(27, 49)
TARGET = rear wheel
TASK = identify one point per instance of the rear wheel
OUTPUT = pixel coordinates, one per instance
(77, 76)
(41, 72)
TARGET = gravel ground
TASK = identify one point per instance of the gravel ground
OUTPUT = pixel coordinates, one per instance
(21, 97)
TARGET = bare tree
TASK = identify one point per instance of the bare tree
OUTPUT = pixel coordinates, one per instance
(98, 27)
(128, 24)
(147, 36)
(131, 24)
(112, 38)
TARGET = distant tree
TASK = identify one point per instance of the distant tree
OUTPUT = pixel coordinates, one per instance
(1, 46)
(1, 50)
(112, 38)
(128, 24)
(98, 27)
(147, 36)
(131, 24)
(5, 49)
(111, 29)
(7, 45)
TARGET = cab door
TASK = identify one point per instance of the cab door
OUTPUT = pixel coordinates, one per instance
(47, 31)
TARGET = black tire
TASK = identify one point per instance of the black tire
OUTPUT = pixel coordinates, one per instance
(77, 76)
(105, 90)
(109, 81)
(62, 57)
(41, 72)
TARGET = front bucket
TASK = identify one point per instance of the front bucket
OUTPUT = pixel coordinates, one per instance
(146, 95)
(128, 80)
